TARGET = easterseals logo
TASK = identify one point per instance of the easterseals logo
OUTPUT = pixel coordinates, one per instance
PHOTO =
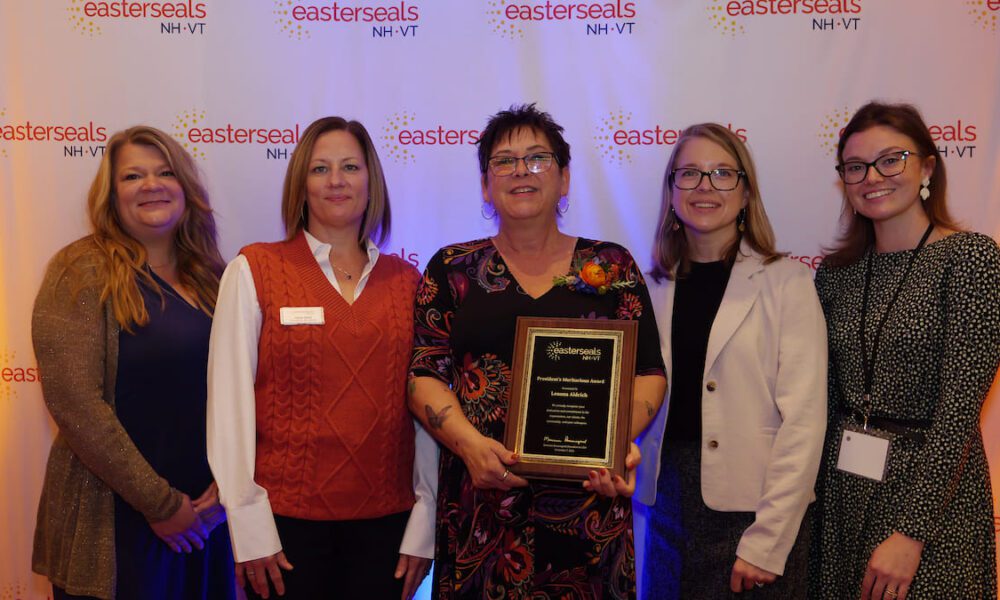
(402, 136)
(985, 13)
(88, 17)
(830, 128)
(12, 374)
(954, 139)
(79, 139)
(3, 147)
(384, 20)
(510, 18)
(556, 351)
(732, 17)
(617, 136)
(197, 134)
(14, 591)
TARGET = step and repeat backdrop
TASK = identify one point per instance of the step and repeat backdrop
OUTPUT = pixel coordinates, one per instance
(238, 80)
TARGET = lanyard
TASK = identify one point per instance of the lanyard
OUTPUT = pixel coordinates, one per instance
(868, 362)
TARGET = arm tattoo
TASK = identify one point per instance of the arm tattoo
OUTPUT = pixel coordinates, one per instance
(649, 409)
(411, 386)
(436, 419)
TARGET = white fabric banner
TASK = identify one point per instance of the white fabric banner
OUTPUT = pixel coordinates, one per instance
(237, 81)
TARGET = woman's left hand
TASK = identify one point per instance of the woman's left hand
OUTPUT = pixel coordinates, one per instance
(746, 576)
(606, 484)
(412, 569)
(208, 508)
(891, 568)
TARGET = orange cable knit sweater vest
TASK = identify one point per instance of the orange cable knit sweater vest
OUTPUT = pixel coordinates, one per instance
(334, 437)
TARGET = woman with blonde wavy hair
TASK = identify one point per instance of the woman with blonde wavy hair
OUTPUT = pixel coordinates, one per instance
(120, 329)
(730, 459)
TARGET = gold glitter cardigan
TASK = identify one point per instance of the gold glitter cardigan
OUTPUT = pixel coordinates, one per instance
(75, 337)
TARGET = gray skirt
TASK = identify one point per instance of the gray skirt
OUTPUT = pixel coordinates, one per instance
(690, 548)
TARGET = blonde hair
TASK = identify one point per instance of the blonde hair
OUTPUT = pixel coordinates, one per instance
(199, 263)
(377, 220)
(670, 247)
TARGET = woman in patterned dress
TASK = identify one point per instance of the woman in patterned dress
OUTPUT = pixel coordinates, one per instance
(914, 333)
(498, 535)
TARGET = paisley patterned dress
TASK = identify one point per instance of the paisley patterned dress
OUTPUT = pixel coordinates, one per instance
(551, 539)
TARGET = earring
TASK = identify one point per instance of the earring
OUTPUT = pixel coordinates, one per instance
(925, 188)
(741, 220)
(677, 222)
(562, 207)
(482, 211)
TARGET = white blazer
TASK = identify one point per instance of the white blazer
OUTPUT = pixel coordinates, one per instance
(763, 403)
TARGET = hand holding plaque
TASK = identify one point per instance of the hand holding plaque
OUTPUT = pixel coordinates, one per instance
(571, 400)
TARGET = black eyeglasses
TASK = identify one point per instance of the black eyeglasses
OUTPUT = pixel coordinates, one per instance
(536, 162)
(887, 165)
(689, 178)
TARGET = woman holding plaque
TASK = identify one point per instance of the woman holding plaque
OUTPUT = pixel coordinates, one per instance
(914, 326)
(499, 533)
(731, 459)
(315, 452)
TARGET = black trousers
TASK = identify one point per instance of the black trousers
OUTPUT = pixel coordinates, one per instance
(340, 559)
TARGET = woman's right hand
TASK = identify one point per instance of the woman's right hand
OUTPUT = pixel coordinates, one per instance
(258, 570)
(487, 461)
(183, 531)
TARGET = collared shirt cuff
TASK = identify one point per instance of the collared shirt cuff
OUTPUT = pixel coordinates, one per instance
(253, 532)
(419, 537)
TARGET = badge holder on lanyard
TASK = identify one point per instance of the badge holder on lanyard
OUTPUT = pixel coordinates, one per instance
(863, 452)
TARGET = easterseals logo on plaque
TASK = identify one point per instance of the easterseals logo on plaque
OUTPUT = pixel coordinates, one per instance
(571, 403)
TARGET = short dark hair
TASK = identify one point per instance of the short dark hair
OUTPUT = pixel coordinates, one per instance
(506, 122)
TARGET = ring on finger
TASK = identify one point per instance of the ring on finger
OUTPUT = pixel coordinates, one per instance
(891, 593)
(506, 472)
(758, 584)
(250, 571)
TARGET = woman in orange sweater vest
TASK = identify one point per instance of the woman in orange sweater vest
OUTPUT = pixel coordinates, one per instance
(309, 436)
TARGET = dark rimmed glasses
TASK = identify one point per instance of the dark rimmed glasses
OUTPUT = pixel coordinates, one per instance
(891, 164)
(688, 178)
(536, 162)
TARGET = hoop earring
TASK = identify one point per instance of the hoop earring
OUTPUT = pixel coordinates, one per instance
(741, 220)
(482, 211)
(562, 207)
(925, 189)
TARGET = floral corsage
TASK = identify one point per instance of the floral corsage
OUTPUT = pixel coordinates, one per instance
(594, 276)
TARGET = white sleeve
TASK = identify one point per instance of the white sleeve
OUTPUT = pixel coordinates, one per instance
(232, 427)
(801, 396)
(419, 537)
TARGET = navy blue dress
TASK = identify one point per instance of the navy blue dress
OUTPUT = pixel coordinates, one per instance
(160, 398)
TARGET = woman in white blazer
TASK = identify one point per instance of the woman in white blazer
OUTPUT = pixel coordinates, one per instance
(730, 461)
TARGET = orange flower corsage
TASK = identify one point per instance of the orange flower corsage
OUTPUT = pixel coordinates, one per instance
(593, 276)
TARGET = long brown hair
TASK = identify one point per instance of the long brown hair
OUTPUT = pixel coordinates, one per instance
(857, 230)
(199, 263)
(377, 220)
(671, 255)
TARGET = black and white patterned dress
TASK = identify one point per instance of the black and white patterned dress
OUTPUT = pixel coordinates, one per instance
(938, 356)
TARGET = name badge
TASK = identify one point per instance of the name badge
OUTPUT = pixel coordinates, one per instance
(301, 315)
(863, 454)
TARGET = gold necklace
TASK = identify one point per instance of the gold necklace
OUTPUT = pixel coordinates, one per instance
(346, 274)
